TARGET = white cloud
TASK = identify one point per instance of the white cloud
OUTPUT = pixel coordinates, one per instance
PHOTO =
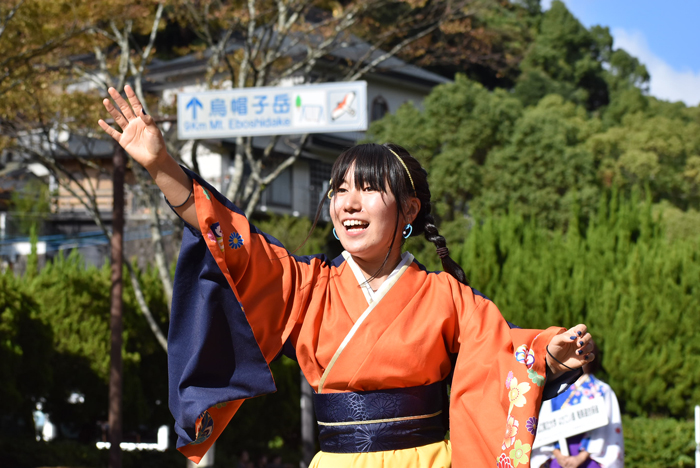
(666, 82)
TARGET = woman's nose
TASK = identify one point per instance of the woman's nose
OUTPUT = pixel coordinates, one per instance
(353, 201)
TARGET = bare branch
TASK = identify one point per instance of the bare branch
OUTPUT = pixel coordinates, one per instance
(387, 55)
(287, 162)
(270, 146)
(152, 37)
(260, 185)
(106, 34)
(143, 306)
(9, 17)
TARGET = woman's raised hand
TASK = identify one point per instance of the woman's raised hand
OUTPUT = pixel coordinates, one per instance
(570, 349)
(140, 136)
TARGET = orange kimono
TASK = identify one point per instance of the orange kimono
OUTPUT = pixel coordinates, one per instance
(240, 296)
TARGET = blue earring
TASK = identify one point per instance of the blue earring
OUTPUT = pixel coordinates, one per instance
(408, 228)
(335, 234)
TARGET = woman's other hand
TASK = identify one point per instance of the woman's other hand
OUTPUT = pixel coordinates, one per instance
(570, 349)
(569, 461)
(140, 136)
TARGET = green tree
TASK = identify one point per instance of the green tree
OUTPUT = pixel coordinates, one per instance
(577, 63)
(565, 58)
(658, 151)
(74, 302)
(545, 167)
(461, 124)
(620, 275)
(25, 353)
(30, 206)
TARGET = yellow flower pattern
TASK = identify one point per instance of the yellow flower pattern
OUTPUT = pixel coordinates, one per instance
(519, 454)
(516, 393)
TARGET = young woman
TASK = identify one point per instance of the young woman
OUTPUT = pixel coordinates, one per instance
(377, 336)
(603, 447)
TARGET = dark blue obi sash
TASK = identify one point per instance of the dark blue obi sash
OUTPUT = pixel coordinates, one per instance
(380, 420)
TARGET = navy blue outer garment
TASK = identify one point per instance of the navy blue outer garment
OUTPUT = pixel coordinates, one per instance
(212, 352)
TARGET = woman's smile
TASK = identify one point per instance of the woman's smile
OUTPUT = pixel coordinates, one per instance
(355, 226)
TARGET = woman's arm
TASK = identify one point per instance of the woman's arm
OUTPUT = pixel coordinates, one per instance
(142, 139)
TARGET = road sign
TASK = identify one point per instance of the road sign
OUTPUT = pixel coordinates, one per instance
(319, 108)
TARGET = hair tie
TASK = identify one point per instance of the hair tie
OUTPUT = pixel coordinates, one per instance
(405, 167)
(442, 252)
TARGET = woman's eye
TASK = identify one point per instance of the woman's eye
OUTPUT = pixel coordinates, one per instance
(368, 189)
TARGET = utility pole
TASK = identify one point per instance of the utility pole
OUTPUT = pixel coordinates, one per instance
(116, 307)
(308, 447)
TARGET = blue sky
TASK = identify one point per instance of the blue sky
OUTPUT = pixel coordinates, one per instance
(664, 35)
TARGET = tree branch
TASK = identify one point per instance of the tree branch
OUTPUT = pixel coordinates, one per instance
(9, 17)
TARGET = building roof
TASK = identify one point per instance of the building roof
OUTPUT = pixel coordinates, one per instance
(354, 49)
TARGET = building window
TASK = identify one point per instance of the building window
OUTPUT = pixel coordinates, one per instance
(320, 174)
(379, 108)
(280, 190)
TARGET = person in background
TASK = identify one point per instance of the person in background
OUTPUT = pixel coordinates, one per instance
(275, 463)
(599, 448)
(243, 459)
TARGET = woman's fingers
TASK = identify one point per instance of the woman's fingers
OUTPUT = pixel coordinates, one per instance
(123, 105)
(110, 131)
(581, 342)
(134, 101)
(116, 115)
(587, 351)
(579, 330)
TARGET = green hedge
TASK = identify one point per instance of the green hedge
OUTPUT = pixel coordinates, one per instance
(658, 443)
(637, 291)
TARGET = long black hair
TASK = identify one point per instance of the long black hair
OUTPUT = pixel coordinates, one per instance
(378, 167)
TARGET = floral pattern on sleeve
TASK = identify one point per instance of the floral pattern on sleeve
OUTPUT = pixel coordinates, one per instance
(522, 406)
(516, 393)
(511, 432)
(519, 454)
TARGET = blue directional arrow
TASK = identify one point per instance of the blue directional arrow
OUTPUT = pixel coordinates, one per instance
(194, 102)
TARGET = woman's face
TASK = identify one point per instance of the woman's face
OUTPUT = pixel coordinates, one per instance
(365, 220)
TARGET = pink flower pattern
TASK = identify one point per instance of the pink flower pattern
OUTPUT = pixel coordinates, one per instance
(509, 378)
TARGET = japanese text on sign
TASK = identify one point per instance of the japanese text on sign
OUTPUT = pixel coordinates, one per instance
(328, 107)
(571, 420)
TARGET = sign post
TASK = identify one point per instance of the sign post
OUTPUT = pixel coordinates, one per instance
(697, 436)
(318, 108)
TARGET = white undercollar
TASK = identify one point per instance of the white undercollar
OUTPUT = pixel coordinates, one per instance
(370, 295)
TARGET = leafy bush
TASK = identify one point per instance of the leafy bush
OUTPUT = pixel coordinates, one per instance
(25, 350)
(634, 288)
(658, 443)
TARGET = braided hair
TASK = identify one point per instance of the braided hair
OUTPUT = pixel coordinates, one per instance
(379, 167)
